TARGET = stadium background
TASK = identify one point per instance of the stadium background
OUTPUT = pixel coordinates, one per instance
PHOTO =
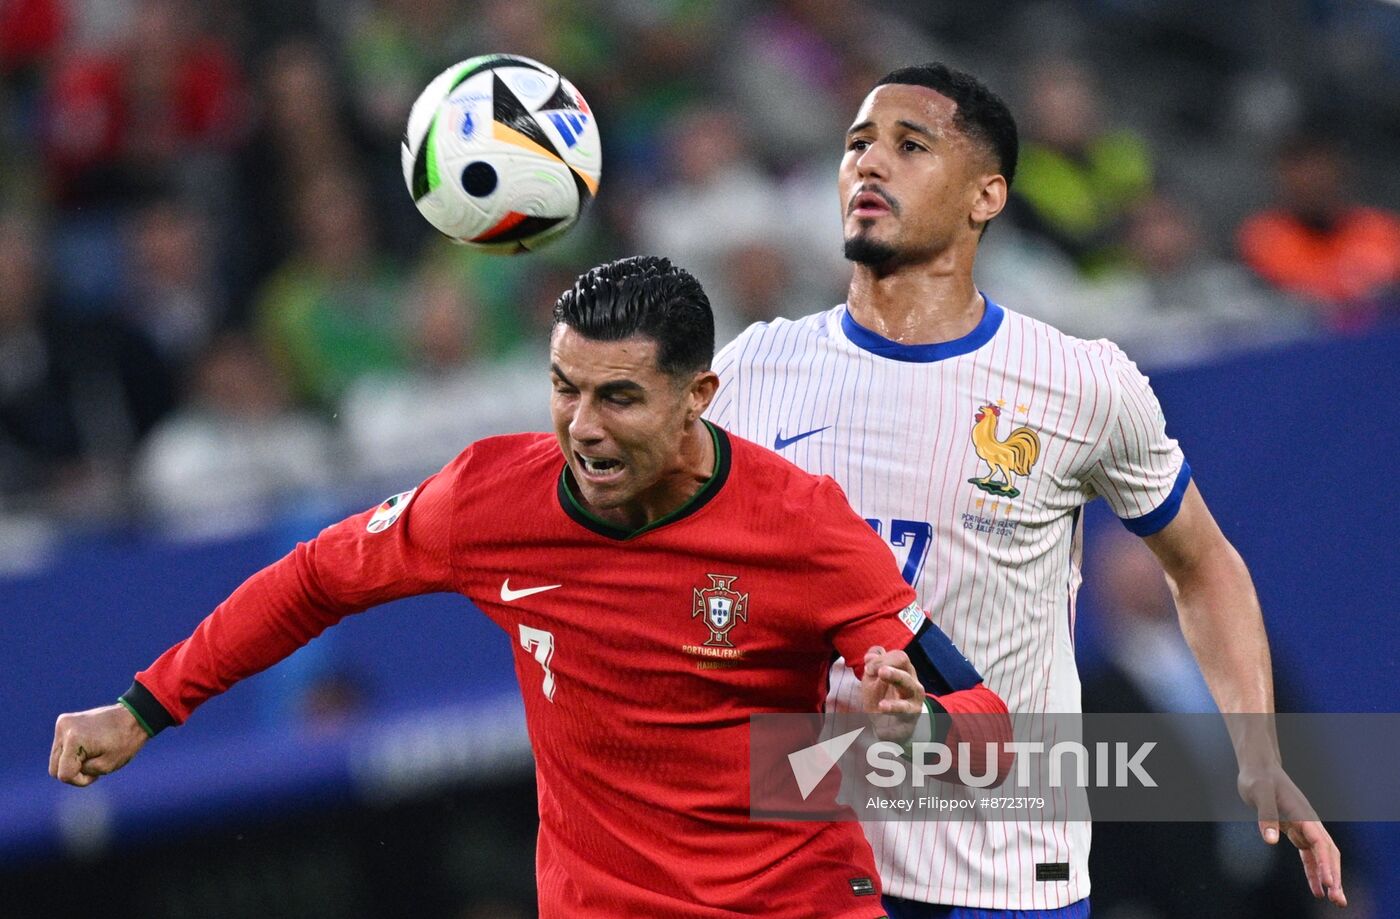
(222, 325)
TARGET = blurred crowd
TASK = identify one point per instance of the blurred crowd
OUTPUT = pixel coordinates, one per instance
(216, 297)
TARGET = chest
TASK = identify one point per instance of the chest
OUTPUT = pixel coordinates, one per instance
(630, 628)
(982, 455)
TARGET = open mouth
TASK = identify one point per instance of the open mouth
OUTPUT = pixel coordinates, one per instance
(599, 469)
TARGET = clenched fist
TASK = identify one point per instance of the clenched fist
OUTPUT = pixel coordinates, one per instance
(891, 692)
(90, 744)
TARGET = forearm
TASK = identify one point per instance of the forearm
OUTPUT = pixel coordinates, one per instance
(1222, 622)
(976, 718)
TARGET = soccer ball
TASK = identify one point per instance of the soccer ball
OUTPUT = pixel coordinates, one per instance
(501, 153)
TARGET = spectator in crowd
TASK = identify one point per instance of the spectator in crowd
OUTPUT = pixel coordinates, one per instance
(334, 310)
(143, 106)
(1317, 243)
(162, 103)
(392, 48)
(1174, 300)
(301, 131)
(75, 394)
(719, 197)
(1168, 300)
(1078, 176)
(454, 391)
(798, 67)
(31, 32)
(38, 434)
(237, 450)
(173, 298)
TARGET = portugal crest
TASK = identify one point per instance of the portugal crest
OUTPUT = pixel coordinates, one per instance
(721, 605)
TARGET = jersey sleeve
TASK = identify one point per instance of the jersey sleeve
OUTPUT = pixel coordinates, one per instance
(860, 598)
(1138, 469)
(403, 547)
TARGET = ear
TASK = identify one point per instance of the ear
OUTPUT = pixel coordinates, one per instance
(700, 393)
(990, 199)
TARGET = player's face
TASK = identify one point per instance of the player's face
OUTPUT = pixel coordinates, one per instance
(911, 181)
(621, 423)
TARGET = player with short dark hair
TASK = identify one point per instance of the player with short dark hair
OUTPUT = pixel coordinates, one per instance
(970, 437)
(660, 582)
(644, 296)
(979, 113)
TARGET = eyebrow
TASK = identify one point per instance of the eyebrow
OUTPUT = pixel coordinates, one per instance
(604, 389)
(554, 369)
(903, 122)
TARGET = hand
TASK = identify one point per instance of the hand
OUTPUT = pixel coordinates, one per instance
(891, 691)
(90, 744)
(1273, 795)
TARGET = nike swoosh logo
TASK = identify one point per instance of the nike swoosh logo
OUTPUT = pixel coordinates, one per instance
(510, 596)
(780, 441)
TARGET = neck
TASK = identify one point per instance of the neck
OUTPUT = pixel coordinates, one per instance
(694, 465)
(917, 304)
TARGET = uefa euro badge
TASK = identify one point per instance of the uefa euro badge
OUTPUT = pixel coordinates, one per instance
(385, 514)
(721, 606)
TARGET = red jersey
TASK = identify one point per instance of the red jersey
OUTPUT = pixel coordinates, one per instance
(640, 656)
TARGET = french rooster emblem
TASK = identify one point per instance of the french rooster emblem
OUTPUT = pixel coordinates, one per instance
(1014, 455)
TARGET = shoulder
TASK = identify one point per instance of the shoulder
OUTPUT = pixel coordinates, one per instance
(759, 472)
(758, 341)
(1092, 376)
(764, 476)
(509, 459)
(1092, 354)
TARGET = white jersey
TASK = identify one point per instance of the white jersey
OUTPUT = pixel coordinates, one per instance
(972, 458)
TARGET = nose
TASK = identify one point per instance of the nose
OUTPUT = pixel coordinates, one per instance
(585, 427)
(872, 163)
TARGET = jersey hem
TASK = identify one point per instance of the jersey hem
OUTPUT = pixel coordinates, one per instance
(1156, 520)
(968, 899)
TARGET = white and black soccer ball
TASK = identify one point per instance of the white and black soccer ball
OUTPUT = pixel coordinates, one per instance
(501, 153)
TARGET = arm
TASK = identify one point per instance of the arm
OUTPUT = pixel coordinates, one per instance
(931, 678)
(1222, 622)
(394, 551)
(1218, 609)
(866, 607)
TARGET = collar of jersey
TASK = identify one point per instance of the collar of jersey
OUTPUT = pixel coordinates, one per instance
(568, 498)
(878, 344)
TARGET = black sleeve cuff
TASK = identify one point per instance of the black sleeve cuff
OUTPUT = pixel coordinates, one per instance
(942, 721)
(152, 715)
